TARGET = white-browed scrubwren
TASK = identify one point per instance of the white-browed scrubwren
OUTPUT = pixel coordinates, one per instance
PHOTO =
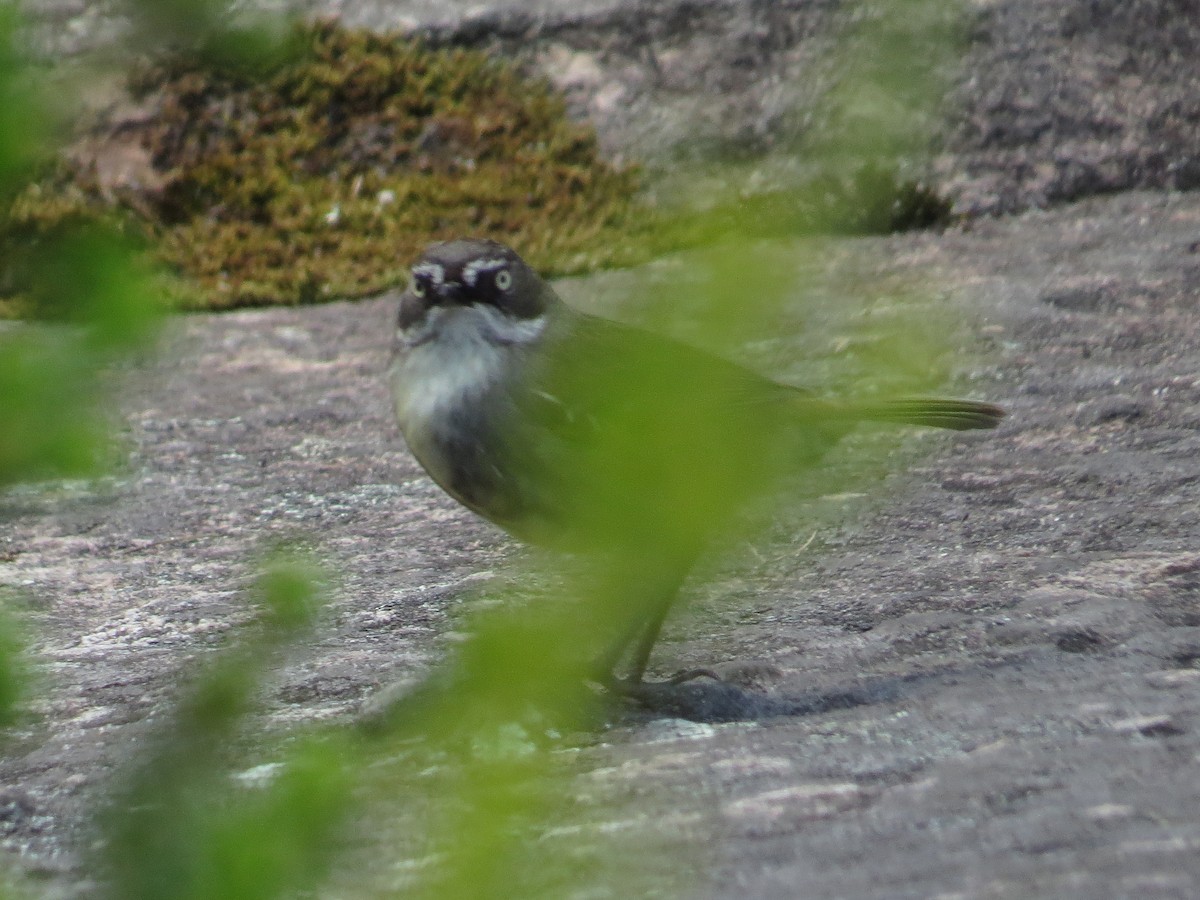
(577, 432)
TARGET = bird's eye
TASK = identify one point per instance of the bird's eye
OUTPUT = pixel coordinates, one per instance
(504, 279)
(417, 287)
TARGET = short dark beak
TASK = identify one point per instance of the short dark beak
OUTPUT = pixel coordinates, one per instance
(450, 292)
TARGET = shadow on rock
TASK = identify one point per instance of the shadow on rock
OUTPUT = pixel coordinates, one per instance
(720, 701)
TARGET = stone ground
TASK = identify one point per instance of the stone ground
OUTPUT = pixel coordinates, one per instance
(986, 686)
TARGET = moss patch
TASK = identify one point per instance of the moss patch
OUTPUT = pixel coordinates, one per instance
(326, 178)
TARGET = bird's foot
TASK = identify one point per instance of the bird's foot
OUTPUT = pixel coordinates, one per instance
(635, 687)
(691, 675)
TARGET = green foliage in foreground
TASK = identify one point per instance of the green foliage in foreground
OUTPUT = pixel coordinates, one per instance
(181, 826)
(459, 781)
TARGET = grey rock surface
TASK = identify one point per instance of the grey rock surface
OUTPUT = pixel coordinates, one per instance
(986, 685)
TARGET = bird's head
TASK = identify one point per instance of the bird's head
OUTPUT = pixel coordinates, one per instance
(480, 280)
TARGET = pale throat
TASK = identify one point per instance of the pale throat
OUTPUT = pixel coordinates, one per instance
(455, 355)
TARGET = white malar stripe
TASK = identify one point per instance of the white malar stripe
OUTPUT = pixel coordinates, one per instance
(506, 329)
(458, 353)
(476, 323)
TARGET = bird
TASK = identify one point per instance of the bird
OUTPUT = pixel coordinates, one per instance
(588, 436)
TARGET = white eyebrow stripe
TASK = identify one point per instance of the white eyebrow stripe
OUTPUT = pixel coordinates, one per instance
(433, 271)
(471, 270)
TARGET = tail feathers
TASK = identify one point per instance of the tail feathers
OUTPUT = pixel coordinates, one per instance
(958, 415)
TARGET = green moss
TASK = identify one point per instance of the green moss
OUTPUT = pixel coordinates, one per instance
(326, 178)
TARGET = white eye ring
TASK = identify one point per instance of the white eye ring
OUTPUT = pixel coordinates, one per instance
(417, 287)
(504, 279)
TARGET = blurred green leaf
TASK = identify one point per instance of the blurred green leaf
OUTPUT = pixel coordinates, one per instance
(51, 423)
(24, 126)
(52, 378)
(652, 483)
(183, 826)
(473, 744)
(241, 42)
(13, 673)
(891, 74)
(93, 278)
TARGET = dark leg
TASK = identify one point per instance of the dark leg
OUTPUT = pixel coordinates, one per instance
(641, 653)
(641, 592)
(641, 656)
(606, 665)
(658, 591)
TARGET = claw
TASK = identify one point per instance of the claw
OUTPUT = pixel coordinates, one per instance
(692, 674)
(631, 687)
